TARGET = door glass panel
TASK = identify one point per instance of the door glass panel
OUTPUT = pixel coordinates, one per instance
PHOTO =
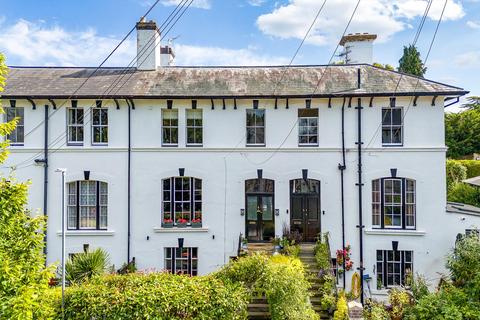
(267, 208)
(313, 208)
(252, 208)
(296, 208)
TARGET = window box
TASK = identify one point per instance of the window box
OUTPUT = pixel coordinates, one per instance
(167, 224)
(182, 223)
(197, 224)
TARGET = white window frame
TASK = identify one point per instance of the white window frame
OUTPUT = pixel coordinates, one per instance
(102, 126)
(255, 127)
(403, 264)
(76, 126)
(392, 127)
(404, 205)
(194, 126)
(82, 205)
(308, 127)
(194, 200)
(14, 135)
(170, 127)
(191, 260)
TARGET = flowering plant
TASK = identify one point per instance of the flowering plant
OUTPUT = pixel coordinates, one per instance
(167, 220)
(182, 220)
(344, 255)
(198, 220)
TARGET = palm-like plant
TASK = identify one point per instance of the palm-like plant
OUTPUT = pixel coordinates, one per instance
(84, 266)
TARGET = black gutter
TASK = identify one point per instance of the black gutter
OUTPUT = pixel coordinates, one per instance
(342, 168)
(129, 171)
(45, 178)
(360, 198)
(233, 96)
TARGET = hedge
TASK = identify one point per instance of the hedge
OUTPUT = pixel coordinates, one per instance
(280, 278)
(473, 167)
(158, 296)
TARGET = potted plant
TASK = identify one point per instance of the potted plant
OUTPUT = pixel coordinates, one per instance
(197, 223)
(182, 223)
(167, 221)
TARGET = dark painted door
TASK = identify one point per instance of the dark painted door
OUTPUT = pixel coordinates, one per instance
(305, 209)
(260, 218)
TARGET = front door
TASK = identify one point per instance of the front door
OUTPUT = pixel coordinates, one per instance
(260, 225)
(305, 208)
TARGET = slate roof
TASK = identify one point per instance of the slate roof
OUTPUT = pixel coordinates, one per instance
(176, 82)
(461, 208)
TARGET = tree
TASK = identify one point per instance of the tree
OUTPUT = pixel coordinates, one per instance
(473, 103)
(384, 66)
(411, 62)
(23, 275)
(5, 128)
(462, 131)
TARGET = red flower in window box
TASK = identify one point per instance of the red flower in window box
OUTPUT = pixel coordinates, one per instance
(167, 222)
(197, 223)
(182, 223)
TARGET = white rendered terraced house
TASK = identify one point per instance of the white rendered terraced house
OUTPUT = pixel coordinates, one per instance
(159, 153)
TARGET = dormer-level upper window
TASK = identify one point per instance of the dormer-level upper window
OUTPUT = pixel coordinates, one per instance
(17, 136)
(99, 126)
(308, 127)
(392, 126)
(255, 127)
(170, 127)
(75, 118)
(194, 127)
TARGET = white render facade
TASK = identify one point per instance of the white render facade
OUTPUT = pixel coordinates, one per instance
(138, 161)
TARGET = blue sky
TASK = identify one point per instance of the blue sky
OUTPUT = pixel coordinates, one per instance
(243, 32)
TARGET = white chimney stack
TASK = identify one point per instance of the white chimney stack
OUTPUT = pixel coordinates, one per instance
(148, 45)
(358, 48)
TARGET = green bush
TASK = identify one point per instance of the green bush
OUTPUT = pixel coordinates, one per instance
(160, 296)
(23, 275)
(465, 193)
(374, 310)
(86, 265)
(280, 278)
(473, 167)
(327, 290)
(456, 172)
(342, 309)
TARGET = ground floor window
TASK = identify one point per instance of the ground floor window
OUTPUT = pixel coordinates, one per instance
(393, 267)
(181, 260)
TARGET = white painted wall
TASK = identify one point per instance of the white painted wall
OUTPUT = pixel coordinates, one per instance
(359, 52)
(224, 163)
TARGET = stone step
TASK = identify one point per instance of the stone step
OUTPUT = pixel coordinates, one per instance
(259, 315)
(258, 307)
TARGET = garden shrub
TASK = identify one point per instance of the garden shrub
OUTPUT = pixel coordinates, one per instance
(456, 173)
(399, 300)
(342, 308)
(159, 296)
(472, 166)
(286, 289)
(465, 193)
(328, 288)
(23, 275)
(86, 265)
(280, 278)
(374, 310)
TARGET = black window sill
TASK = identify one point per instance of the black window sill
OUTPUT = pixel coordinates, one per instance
(75, 144)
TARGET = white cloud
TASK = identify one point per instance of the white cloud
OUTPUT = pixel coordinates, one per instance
(29, 43)
(473, 24)
(256, 3)
(202, 4)
(468, 59)
(204, 56)
(383, 17)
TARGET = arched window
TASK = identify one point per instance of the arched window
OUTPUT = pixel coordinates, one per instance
(87, 205)
(393, 203)
(182, 201)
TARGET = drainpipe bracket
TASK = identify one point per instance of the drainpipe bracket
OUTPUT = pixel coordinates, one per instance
(359, 184)
(359, 108)
(357, 226)
(356, 142)
(342, 167)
